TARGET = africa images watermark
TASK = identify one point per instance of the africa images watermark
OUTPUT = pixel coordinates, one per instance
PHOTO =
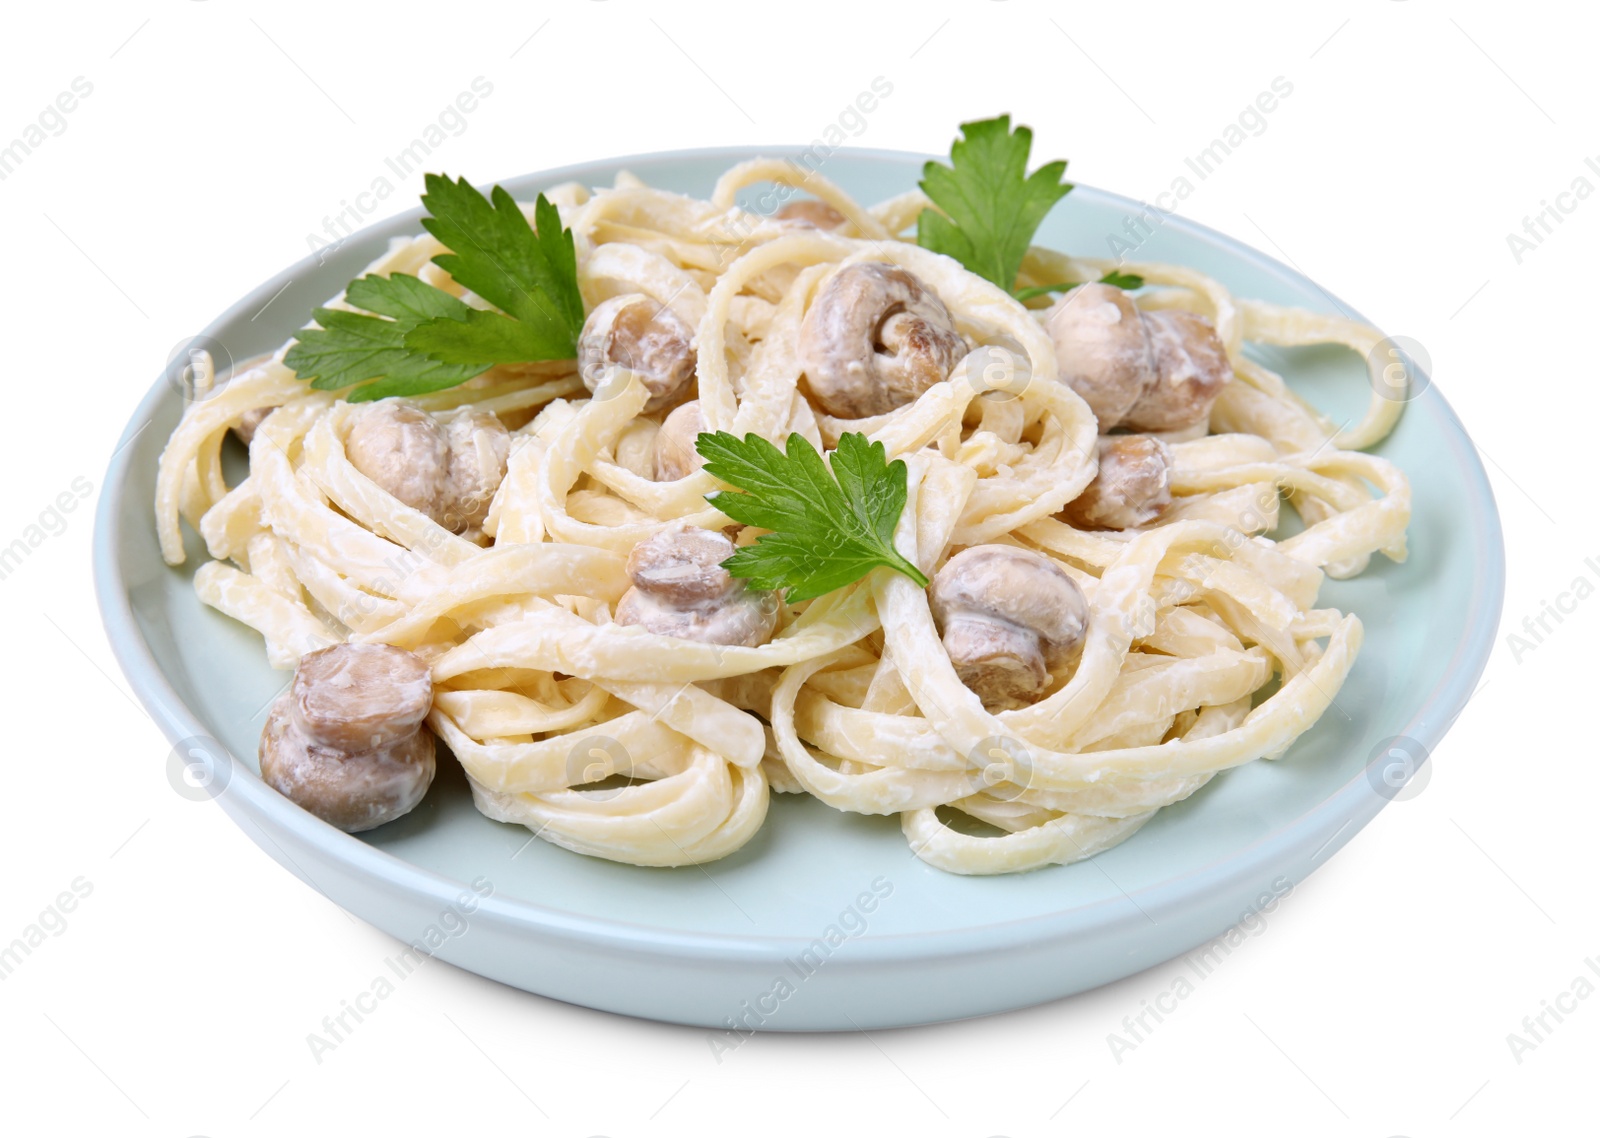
(849, 123)
(1543, 224)
(765, 1005)
(51, 921)
(1552, 614)
(51, 122)
(450, 122)
(1203, 963)
(451, 924)
(1251, 122)
(51, 522)
(1538, 1027)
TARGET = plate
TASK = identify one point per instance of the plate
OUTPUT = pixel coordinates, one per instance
(825, 920)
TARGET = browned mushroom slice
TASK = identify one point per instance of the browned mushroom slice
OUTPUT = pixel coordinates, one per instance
(647, 338)
(874, 339)
(346, 741)
(1191, 367)
(1009, 617)
(1131, 488)
(681, 589)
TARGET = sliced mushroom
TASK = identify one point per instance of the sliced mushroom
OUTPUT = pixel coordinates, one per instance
(1191, 367)
(1131, 488)
(360, 696)
(811, 214)
(346, 741)
(448, 470)
(1009, 617)
(874, 339)
(681, 589)
(1102, 349)
(647, 338)
(674, 452)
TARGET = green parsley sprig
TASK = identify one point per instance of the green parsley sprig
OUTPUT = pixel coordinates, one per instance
(991, 205)
(832, 523)
(413, 338)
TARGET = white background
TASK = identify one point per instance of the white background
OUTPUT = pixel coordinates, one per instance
(218, 135)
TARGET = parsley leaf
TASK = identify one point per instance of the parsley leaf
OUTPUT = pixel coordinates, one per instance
(993, 205)
(832, 523)
(1123, 280)
(1113, 278)
(532, 277)
(414, 338)
(351, 346)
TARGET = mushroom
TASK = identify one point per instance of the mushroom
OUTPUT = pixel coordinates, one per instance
(1009, 617)
(874, 339)
(447, 469)
(681, 589)
(635, 332)
(810, 214)
(479, 448)
(1151, 371)
(401, 448)
(1102, 349)
(1191, 367)
(245, 428)
(1131, 488)
(346, 741)
(674, 452)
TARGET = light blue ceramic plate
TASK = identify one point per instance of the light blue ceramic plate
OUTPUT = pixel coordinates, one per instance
(825, 920)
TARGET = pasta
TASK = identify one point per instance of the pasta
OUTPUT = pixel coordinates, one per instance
(621, 743)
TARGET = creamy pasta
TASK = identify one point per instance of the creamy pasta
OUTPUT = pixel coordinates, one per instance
(1204, 647)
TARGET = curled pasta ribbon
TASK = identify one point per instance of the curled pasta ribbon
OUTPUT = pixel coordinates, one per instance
(620, 743)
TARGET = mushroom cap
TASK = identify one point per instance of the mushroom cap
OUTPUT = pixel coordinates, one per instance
(1018, 587)
(674, 451)
(1102, 351)
(479, 446)
(745, 617)
(811, 214)
(447, 468)
(353, 791)
(1132, 487)
(647, 338)
(682, 565)
(874, 339)
(403, 449)
(1191, 367)
(681, 589)
(356, 697)
(1000, 662)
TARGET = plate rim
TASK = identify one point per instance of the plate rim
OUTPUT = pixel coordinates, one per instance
(249, 799)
